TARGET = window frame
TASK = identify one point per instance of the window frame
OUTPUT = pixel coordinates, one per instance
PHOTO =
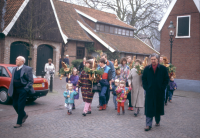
(130, 33)
(1, 68)
(98, 27)
(123, 31)
(103, 28)
(177, 27)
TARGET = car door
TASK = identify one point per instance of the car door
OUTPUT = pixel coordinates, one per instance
(5, 78)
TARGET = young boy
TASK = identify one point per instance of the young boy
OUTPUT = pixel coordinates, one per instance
(172, 87)
(114, 87)
(69, 97)
(121, 93)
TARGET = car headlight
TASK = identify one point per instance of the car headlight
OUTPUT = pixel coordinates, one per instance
(43, 84)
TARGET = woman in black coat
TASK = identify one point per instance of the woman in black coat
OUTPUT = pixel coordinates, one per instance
(155, 79)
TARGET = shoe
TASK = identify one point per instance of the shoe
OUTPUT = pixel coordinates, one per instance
(100, 108)
(84, 114)
(104, 107)
(147, 128)
(135, 114)
(24, 119)
(131, 109)
(123, 112)
(170, 101)
(68, 113)
(118, 113)
(89, 112)
(157, 124)
(17, 125)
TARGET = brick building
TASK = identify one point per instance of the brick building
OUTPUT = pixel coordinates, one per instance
(60, 28)
(185, 15)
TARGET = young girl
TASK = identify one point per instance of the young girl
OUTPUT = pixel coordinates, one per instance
(74, 80)
(86, 87)
(172, 87)
(69, 97)
(121, 92)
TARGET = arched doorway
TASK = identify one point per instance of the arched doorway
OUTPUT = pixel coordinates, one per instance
(19, 49)
(44, 52)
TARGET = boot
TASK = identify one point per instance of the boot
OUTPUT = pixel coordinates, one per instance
(100, 108)
(104, 107)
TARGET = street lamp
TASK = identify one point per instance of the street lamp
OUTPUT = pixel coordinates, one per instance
(171, 30)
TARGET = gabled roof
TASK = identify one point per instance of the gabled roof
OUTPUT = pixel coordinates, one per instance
(67, 18)
(118, 42)
(171, 6)
(100, 16)
(13, 10)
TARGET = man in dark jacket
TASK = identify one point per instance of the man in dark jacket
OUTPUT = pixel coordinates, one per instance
(20, 85)
(66, 60)
(155, 79)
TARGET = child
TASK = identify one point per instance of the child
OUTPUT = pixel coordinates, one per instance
(172, 87)
(69, 95)
(121, 92)
(114, 87)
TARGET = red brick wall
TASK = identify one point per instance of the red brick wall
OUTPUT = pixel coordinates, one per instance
(89, 22)
(2, 47)
(185, 51)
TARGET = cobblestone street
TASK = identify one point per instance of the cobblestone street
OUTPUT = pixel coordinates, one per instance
(48, 119)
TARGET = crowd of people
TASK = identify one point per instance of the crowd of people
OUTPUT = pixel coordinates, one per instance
(151, 90)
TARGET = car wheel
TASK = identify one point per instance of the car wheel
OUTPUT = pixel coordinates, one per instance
(30, 100)
(4, 98)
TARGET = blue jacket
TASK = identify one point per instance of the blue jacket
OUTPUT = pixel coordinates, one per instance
(114, 90)
(110, 64)
(71, 98)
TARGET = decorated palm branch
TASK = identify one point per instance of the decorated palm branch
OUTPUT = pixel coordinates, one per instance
(66, 69)
(94, 74)
(132, 63)
(117, 67)
(170, 68)
(140, 68)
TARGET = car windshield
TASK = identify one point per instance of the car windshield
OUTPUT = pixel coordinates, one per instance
(11, 69)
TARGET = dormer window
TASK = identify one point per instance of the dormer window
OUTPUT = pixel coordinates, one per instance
(123, 32)
(119, 31)
(97, 27)
(111, 30)
(127, 32)
(131, 33)
(102, 28)
(114, 30)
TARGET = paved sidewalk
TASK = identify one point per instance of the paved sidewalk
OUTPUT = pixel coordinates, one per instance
(181, 119)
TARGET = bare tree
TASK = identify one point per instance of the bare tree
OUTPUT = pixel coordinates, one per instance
(145, 15)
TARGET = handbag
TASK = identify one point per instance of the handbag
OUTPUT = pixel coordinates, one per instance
(96, 87)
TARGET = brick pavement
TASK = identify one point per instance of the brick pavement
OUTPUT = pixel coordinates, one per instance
(48, 118)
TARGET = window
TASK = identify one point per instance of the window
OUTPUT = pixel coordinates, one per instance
(80, 52)
(102, 28)
(3, 72)
(111, 30)
(183, 26)
(123, 32)
(119, 31)
(127, 32)
(116, 30)
(97, 27)
(131, 33)
(107, 29)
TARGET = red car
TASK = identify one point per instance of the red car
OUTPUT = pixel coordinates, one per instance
(40, 85)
